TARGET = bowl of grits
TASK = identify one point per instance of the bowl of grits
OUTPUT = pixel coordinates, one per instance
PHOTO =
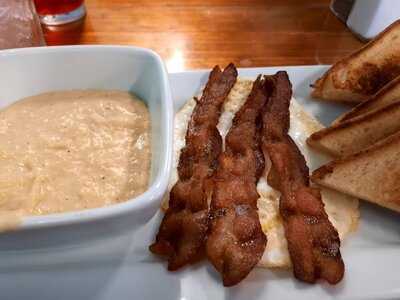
(85, 136)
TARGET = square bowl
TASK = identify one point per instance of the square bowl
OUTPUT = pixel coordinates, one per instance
(30, 71)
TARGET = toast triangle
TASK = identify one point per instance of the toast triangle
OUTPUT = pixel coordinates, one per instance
(364, 72)
(358, 133)
(372, 174)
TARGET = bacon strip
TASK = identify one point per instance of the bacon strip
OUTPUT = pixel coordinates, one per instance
(236, 241)
(313, 242)
(183, 230)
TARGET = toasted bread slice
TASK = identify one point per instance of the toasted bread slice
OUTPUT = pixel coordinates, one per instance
(373, 174)
(356, 134)
(363, 73)
(390, 93)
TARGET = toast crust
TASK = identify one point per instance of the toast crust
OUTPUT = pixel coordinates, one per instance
(364, 72)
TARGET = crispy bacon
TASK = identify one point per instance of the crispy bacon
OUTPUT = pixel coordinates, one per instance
(183, 230)
(313, 242)
(236, 241)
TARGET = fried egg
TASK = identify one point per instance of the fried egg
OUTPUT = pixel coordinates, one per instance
(342, 209)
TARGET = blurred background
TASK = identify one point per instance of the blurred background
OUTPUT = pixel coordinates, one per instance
(192, 34)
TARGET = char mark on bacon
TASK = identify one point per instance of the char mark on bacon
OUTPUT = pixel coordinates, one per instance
(183, 230)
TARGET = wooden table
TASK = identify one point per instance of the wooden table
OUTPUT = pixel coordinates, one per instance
(191, 34)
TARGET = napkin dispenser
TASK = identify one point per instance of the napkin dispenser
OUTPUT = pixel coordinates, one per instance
(366, 18)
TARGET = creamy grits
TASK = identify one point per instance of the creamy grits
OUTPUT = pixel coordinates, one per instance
(72, 150)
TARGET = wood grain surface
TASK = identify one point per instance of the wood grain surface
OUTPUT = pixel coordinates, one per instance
(191, 34)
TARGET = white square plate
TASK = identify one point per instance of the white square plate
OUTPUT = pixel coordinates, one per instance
(121, 267)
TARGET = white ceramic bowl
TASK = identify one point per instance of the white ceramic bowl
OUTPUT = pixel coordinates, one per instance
(30, 71)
